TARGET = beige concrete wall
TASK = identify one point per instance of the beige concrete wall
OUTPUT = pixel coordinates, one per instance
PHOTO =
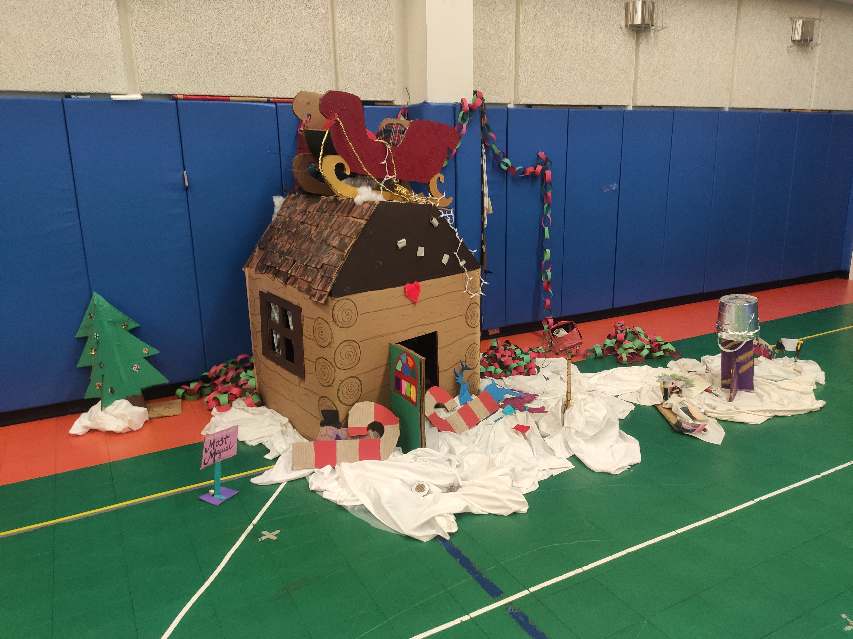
(834, 78)
(494, 49)
(224, 47)
(712, 53)
(232, 47)
(61, 46)
(769, 71)
(705, 53)
(573, 53)
(687, 62)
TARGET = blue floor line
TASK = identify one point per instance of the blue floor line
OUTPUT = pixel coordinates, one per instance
(491, 588)
(468, 566)
(524, 621)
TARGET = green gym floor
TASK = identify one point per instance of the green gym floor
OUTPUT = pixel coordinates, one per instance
(780, 568)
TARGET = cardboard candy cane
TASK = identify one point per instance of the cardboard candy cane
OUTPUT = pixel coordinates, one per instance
(465, 417)
(363, 418)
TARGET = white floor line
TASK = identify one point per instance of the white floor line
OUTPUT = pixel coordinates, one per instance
(627, 551)
(222, 564)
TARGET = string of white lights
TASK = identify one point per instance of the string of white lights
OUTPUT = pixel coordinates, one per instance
(448, 215)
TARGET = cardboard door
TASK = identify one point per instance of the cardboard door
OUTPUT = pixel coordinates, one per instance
(406, 372)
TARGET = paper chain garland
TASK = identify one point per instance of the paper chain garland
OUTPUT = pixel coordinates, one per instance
(225, 383)
(541, 169)
(631, 345)
(505, 359)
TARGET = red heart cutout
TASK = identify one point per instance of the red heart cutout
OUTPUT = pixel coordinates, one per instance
(412, 291)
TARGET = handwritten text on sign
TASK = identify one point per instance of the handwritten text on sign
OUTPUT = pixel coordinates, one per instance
(218, 446)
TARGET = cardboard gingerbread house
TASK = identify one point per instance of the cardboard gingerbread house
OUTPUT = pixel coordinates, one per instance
(360, 302)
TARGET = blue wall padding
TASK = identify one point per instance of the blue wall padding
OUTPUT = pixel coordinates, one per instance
(703, 200)
(691, 181)
(847, 247)
(840, 183)
(807, 210)
(287, 126)
(468, 202)
(493, 305)
(591, 210)
(43, 277)
(774, 162)
(729, 228)
(232, 158)
(136, 230)
(374, 114)
(646, 140)
(530, 131)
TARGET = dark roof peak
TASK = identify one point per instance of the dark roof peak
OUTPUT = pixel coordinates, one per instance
(329, 246)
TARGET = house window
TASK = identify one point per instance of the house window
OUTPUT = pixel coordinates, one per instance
(405, 378)
(281, 325)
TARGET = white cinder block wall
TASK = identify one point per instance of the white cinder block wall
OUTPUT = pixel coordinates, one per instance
(711, 53)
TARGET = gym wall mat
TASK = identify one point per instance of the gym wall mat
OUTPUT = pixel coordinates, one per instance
(847, 244)
(809, 185)
(839, 191)
(374, 114)
(128, 160)
(592, 206)
(528, 132)
(287, 126)
(468, 202)
(136, 230)
(644, 182)
(774, 162)
(42, 263)
(468, 205)
(729, 229)
(493, 304)
(232, 159)
(691, 180)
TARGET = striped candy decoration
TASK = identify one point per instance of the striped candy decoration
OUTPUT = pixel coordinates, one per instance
(466, 416)
(362, 418)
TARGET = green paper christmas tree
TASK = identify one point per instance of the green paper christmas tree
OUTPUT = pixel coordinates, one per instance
(117, 358)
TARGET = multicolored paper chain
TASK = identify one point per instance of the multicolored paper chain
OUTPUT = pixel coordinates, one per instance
(631, 345)
(540, 169)
(506, 358)
(225, 383)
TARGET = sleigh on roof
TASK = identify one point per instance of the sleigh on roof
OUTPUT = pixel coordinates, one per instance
(334, 146)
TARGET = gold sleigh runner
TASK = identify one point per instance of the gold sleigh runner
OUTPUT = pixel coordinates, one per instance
(334, 149)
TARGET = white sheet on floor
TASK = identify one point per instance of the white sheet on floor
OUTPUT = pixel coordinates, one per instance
(713, 433)
(783, 387)
(256, 425)
(550, 386)
(635, 384)
(486, 470)
(119, 417)
(591, 424)
(489, 468)
(387, 490)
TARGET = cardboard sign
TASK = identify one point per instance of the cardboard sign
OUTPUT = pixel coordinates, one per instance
(218, 446)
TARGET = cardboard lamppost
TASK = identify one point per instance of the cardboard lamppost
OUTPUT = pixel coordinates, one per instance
(216, 447)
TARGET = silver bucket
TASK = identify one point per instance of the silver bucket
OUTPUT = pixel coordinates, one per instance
(737, 318)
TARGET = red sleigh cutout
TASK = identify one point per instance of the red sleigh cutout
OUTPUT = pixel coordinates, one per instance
(335, 140)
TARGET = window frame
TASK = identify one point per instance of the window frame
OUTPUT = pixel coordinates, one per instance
(297, 366)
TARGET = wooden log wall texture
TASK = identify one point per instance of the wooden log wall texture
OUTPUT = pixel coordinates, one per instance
(346, 344)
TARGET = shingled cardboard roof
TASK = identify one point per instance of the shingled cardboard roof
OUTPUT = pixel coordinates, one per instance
(329, 246)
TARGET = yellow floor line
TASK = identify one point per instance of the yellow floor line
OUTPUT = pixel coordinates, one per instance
(124, 504)
(835, 330)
